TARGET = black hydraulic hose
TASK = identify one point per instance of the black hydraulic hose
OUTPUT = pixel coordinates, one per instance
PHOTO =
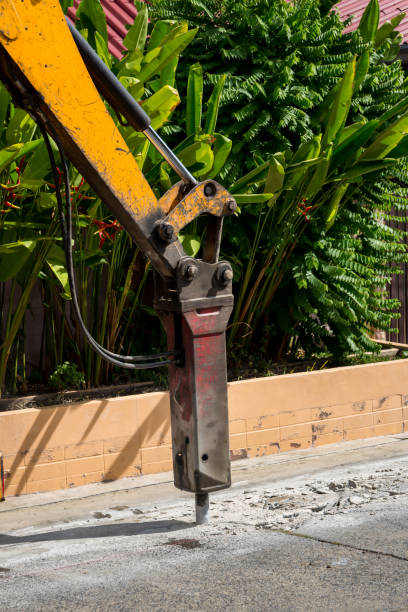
(124, 361)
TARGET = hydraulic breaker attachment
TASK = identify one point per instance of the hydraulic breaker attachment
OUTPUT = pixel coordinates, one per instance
(195, 314)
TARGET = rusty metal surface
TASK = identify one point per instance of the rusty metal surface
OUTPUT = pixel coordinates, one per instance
(198, 400)
(207, 197)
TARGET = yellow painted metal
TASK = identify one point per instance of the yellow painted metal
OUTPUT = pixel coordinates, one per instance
(36, 36)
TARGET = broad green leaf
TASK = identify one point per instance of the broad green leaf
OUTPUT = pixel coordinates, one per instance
(160, 30)
(401, 149)
(191, 243)
(306, 154)
(307, 150)
(167, 53)
(137, 33)
(38, 165)
(165, 181)
(398, 109)
(198, 157)
(349, 130)
(303, 165)
(56, 261)
(341, 106)
(20, 127)
(213, 106)
(369, 21)
(387, 28)
(102, 49)
(256, 175)
(194, 104)
(387, 140)
(345, 151)
(275, 176)
(362, 66)
(4, 104)
(160, 105)
(9, 154)
(46, 200)
(364, 167)
(13, 256)
(168, 74)
(91, 16)
(319, 176)
(252, 198)
(221, 148)
(333, 206)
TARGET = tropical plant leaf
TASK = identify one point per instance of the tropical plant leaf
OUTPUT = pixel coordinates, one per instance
(369, 21)
(213, 106)
(194, 102)
(56, 260)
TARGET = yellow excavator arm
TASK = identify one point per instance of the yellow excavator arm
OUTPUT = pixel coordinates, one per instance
(54, 74)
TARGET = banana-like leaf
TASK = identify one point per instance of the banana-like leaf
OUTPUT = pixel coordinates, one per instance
(160, 32)
(398, 109)
(346, 151)
(364, 167)
(256, 175)
(56, 260)
(38, 164)
(135, 39)
(306, 155)
(386, 29)
(252, 198)
(319, 176)
(387, 140)
(4, 103)
(90, 16)
(369, 21)
(198, 157)
(221, 148)
(165, 55)
(9, 154)
(341, 106)
(165, 181)
(275, 176)
(401, 149)
(20, 128)
(334, 204)
(213, 106)
(102, 49)
(194, 99)
(362, 66)
(160, 105)
(13, 256)
(349, 130)
(191, 243)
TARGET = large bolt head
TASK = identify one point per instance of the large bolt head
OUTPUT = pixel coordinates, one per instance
(188, 270)
(166, 231)
(231, 206)
(224, 274)
(210, 189)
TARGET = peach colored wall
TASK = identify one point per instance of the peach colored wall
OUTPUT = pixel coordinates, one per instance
(64, 446)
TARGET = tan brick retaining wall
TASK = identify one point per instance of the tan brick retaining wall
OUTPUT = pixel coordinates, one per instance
(63, 446)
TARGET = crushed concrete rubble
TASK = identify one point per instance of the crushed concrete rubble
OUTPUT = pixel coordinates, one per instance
(287, 505)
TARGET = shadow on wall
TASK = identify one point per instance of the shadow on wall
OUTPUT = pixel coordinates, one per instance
(117, 456)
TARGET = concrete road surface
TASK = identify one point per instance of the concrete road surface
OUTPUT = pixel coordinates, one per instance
(322, 529)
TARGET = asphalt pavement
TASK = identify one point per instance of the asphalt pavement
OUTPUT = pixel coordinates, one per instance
(320, 529)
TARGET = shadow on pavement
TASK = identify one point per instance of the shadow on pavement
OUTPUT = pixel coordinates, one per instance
(98, 531)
